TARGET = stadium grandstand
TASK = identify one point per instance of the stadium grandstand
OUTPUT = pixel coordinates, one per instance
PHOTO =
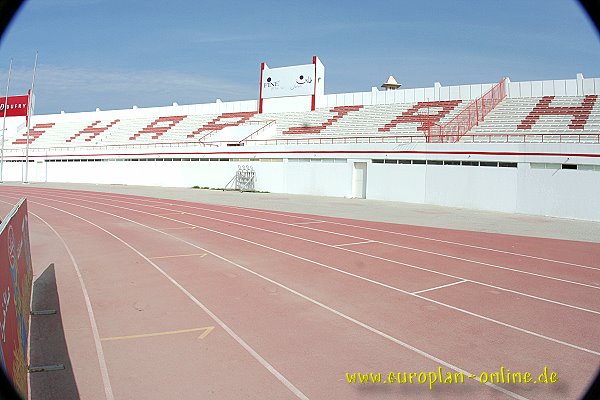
(408, 241)
(504, 145)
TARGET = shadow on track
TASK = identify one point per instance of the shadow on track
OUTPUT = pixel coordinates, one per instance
(48, 345)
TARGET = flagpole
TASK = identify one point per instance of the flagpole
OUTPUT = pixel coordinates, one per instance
(29, 120)
(4, 122)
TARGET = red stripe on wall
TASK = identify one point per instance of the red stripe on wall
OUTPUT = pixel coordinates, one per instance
(291, 152)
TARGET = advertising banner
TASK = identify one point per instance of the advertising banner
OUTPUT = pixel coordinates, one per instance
(16, 275)
(16, 106)
(297, 80)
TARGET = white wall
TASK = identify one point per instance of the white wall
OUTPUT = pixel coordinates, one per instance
(487, 188)
(326, 170)
(151, 173)
(317, 178)
(563, 87)
(287, 104)
(565, 193)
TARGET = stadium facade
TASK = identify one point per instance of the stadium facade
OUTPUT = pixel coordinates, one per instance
(519, 147)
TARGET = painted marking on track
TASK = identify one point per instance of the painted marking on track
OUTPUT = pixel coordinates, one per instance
(173, 213)
(381, 258)
(179, 255)
(179, 227)
(283, 213)
(110, 196)
(307, 222)
(222, 324)
(278, 213)
(291, 290)
(404, 247)
(439, 287)
(351, 244)
(206, 330)
(343, 272)
(385, 259)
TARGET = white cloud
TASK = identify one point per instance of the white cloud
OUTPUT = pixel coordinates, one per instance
(80, 88)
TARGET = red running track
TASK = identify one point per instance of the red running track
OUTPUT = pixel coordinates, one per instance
(172, 299)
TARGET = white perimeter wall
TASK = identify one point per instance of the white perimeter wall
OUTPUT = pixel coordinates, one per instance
(564, 87)
(485, 188)
(554, 191)
(559, 193)
(561, 87)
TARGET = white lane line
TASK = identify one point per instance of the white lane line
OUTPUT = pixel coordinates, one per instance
(307, 298)
(111, 196)
(364, 254)
(550, 260)
(222, 324)
(306, 223)
(282, 213)
(278, 213)
(360, 253)
(438, 287)
(352, 244)
(174, 213)
(387, 244)
(334, 269)
(480, 263)
(531, 296)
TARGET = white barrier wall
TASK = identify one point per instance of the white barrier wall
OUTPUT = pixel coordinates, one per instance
(438, 92)
(558, 192)
(536, 181)
(564, 87)
(453, 186)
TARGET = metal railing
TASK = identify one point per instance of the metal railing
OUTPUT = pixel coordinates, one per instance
(354, 139)
(586, 138)
(115, 146)
(453, 130)
(481, 138)
(256, 132)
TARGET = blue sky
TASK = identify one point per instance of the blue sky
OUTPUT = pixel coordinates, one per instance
(118, 53)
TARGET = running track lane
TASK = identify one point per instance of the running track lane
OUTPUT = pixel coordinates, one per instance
(428, 324)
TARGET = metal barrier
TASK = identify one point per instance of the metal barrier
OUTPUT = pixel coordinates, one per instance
(245, 178)
(582, 138)
(256, 132)
(453, 130)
